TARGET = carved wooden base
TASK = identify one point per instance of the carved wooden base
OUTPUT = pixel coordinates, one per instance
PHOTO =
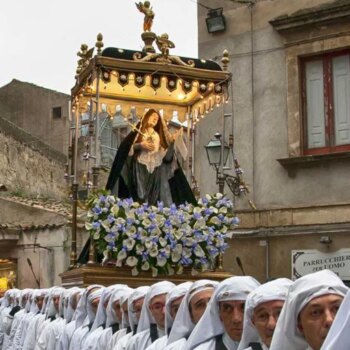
(96, 274)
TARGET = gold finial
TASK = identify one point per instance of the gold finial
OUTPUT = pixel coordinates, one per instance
(225, 59)
(85, 55)
(99, 43)
(147, 10)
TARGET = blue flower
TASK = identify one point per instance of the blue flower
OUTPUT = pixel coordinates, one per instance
(96, 225)
(197, 216)
(160, 206)
(173, 209)
(235, 221)
(111, 219)
(97, 210)
(186, 261)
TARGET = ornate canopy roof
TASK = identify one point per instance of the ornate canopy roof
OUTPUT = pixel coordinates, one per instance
(127, 80)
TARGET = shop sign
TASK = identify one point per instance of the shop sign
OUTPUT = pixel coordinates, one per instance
(311, 260)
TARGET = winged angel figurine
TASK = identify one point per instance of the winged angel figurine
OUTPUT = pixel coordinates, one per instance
(146, 9)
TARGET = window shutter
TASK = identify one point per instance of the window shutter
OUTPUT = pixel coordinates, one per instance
(341, 98)
(315, 104)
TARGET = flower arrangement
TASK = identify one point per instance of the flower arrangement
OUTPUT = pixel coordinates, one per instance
(157, 238)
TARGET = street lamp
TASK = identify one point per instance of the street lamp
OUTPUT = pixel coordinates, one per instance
(215, 21)
(217, 153)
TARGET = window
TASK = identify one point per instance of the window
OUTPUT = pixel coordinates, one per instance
(85, 120)
(56, 112)
(326, 103)
(109, 142)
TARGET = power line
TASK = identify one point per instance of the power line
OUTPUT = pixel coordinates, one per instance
(198, 3)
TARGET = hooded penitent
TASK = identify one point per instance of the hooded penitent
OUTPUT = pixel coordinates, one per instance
(287, 336)
(270, 291)
(210, 325)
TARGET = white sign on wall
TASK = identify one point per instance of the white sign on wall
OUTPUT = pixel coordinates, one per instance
(311, 260)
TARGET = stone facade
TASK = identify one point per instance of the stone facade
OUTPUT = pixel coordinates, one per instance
(37, 232)
(299, 198)
(40, 112)
(35, 215)
(29, 166)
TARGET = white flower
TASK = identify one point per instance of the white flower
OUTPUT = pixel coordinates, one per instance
(166, 211)
(215, 220)
(178, 234)
(194, 272)
(215, 210)
(189, 242)
(134, 271)
(199, 251)
(197, 210)
(88, 226)
(139, 248)
(146, 222)
(208, 197)
(186, 252)
(135, 205)
(223, 229)
(180, 270)
(153, 252)
(160, 219)
(156, 231)
(162, 241)
(145, 266)
(106, 225)
(187, 228)
(171, 271)
(121, 255)
(131, 261)
(120, 221)
(154, 209)
(97, 235)
(131, 231)
(148, 243)
(167, 251)
(131, 214)
(175, 257)
(161, 261)
(115, 210)
(230, 234)
(219, 195)
(200, 223)
(154, 272)
(143, 233)
(223, 210)
(129, 243)
(119, 263)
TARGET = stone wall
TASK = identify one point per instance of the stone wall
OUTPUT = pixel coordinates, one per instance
(30, 107)
(28, 166)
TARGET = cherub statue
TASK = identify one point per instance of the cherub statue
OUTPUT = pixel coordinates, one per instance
(164, 44)
(146, 9)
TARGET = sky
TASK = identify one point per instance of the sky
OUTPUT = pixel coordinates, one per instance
(39, 39)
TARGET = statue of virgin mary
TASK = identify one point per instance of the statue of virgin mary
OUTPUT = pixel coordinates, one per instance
(146, 167)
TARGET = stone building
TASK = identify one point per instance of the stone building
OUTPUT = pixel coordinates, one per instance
(290, 62)
(41, 112)
(35, 212)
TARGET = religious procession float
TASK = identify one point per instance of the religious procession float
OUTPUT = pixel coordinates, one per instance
(146, 222)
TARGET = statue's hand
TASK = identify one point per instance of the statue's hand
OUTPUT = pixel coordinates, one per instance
(147, 145)
(177, 133)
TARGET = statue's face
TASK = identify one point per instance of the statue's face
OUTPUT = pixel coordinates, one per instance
(153, 120)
